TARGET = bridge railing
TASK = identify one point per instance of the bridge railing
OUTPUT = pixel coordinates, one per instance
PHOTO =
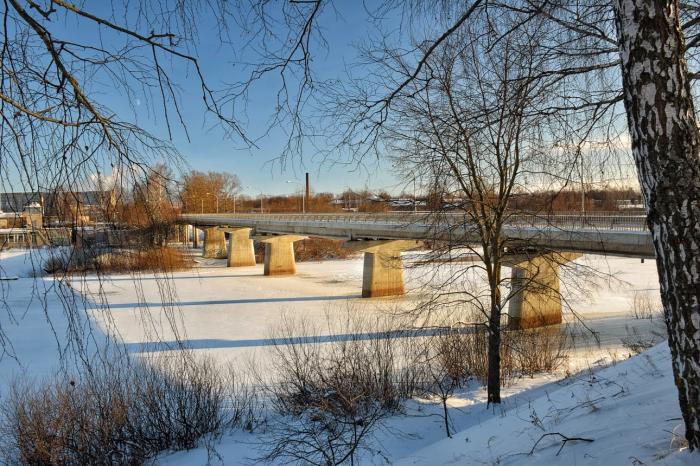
(384, 217)
(622, 221)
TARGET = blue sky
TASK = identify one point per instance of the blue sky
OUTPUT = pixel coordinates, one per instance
(210, 150)
(208, 147)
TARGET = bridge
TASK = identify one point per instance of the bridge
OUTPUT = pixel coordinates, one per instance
(539, 246)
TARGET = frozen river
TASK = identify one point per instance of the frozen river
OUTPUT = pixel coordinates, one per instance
(231, 314)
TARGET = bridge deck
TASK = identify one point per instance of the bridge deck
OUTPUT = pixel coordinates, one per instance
(621, 234)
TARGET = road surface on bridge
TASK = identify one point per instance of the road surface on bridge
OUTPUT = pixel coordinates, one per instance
(617, 234)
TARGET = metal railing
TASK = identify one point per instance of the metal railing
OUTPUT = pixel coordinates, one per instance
(618, 221)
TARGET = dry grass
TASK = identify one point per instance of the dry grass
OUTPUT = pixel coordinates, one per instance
(156, 259)
(118, 413)
(645, 305)
(316, 249)
(312, 249)
(329, 393)
(463, 354)
(160, 259)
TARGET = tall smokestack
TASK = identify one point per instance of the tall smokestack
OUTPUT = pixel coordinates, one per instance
(308, 188)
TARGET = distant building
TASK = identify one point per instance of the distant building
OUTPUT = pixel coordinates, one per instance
(629, 204)
(31, 218)
(26, 209)
(16, 202)
(9, 220)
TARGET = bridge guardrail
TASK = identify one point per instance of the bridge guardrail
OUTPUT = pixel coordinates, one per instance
(618, 221)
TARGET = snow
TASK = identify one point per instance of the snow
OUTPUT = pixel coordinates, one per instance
(228, 313)
(629, 409)
(36, 335)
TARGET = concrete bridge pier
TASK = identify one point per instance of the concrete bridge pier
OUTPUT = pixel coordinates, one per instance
(382, 274)
(214, 243)
(195, 237)
(538, 303)
(241, 251)
(279, 254)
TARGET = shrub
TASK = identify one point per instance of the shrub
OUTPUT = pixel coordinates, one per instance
(463, 353)
(330, 395)
(537, 350)
(117, 413)
(156, 259)
(316, 249)
(330, 392)
(153, 259)
(644, 306)
(312, 249)
(55, 264)
(339, 377)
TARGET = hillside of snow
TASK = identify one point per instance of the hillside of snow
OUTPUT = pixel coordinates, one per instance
(628, 414)
(625, 414)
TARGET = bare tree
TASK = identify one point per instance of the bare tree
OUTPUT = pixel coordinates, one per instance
(208, 192)
(470, 126)
(60, 128)
(54, 117)
(55, 129)
(654, 46)
(154, 204)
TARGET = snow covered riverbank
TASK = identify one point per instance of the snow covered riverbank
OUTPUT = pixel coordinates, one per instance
(624, 414)
(629, 410)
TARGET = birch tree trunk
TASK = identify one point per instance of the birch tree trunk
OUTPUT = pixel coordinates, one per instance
(665, 143)
(493, 386)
